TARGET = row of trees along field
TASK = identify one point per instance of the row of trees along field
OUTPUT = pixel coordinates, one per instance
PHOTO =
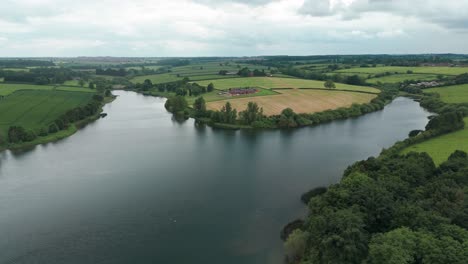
(397, 209)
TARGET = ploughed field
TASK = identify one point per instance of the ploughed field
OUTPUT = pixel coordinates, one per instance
(300, 100)
(37, 108)
(441, 147)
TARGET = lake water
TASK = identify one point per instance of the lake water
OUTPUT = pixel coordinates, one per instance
(140, 187)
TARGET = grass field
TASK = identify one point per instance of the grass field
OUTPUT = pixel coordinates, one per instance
(34, 109)
(75, 83)
(8, 88)
(452, 94)
(197, 72)
(440, 148)
(214, 96)
(425, 70)
(300, 100)
(398, 78)
(273, 82)
(157, 78)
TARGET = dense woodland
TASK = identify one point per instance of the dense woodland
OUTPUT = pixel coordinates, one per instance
(397, 209)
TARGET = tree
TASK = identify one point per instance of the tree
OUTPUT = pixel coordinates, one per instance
(287, 119)
(295, 245)
(176, 104)
(229, 115)
(91, 85)
(200, 106)
(147, 84)
(81, 82)
(210, 87)
(329, 84)
(251, 114)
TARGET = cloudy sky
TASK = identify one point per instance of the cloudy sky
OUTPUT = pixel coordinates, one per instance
(231, 27)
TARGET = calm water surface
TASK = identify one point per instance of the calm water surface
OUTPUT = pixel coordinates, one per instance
(139, 187)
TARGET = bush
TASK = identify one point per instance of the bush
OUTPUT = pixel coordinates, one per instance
(295, 245)
(53, 128)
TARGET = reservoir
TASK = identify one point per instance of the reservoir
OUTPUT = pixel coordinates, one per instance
(140, 187)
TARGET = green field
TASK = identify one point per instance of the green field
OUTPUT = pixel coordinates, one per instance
(398, 78)
(452, 94)
(441, 147)
(157, 78)
(273, 82)
(7, 88)
(425, 70)
(215, 96)
(74, 83)
(35, 109)
(197, 72)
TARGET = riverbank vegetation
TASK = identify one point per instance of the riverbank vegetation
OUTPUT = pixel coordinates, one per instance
(397, 209)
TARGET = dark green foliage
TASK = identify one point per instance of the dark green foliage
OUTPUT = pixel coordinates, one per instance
(200, 107)
(53, 128)
(395, 209)
(329, 84)
(210, 87)
(305, 198)
(446, 122)
(227, 115)
(414, 133)
(252, 114)
(111, 72)
(461, 79)
(16, 134)
(244, 72)
(290, 227)
(176, 104)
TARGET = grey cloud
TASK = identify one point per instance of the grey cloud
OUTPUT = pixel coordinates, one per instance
(452, 14)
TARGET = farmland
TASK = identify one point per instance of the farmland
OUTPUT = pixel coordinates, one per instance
(441, 147)
(397, 69)
(7, 89)
(452, 94)
(273, 82)
(397, 78)
(200, 71)
(35, 109)
(300, 100)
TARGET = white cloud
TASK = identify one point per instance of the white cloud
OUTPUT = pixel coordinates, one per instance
(229, 27)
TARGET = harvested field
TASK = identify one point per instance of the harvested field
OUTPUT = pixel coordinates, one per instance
(300, 100)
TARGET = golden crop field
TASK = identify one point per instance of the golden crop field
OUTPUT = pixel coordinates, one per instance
(300, 100)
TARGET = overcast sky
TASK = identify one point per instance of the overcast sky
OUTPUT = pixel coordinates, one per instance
(231, 27)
